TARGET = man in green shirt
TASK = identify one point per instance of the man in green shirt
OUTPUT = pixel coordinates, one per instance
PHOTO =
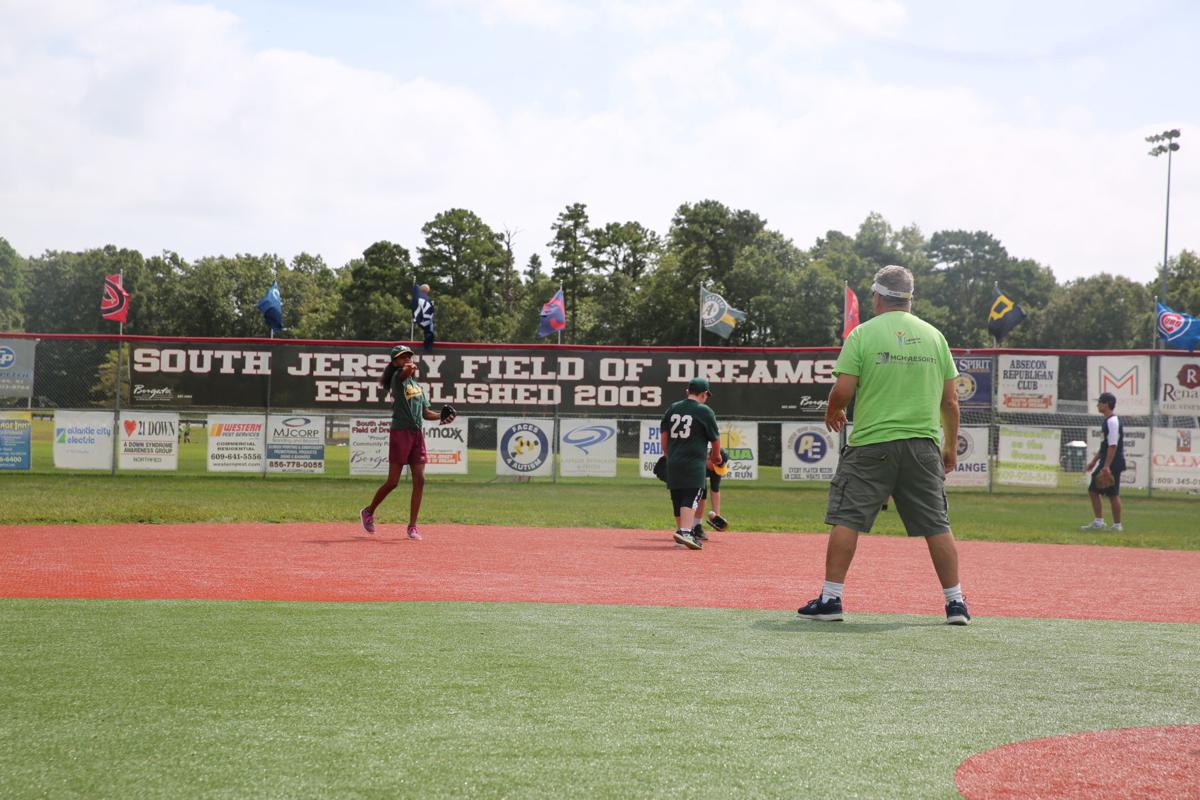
(899, 370)
(692, 444)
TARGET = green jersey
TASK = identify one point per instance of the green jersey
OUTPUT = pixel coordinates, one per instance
(691, 428)
(408, 403)
(902, 364)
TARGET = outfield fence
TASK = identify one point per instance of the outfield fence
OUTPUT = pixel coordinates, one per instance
(1028, 417)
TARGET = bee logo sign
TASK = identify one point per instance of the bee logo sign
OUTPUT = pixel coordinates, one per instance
(523, 447)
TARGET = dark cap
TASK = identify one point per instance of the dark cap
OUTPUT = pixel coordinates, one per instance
(696, 385)
(400, 349)
(1107, 398)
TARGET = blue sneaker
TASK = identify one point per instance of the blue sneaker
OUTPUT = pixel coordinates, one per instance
(824, 610)
(957, 614)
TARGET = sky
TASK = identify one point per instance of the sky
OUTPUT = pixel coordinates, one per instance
(285, 127)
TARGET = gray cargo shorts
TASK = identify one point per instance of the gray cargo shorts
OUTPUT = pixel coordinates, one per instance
(909, 470)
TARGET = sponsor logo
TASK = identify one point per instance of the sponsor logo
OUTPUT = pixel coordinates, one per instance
(810, 447)
(143, 392)
(1115, 383)
(296, 422)
(1189, 376)
(524, 447)
(1170, 322)
(1183, 441)
(446, 432)
(963, 446)
(590, 436)
(965, 386)
(7, 357)
(235, 429)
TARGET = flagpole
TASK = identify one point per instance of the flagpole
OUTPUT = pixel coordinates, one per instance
(554, 445)
(117, 388)
(267, 416)
(700, 318)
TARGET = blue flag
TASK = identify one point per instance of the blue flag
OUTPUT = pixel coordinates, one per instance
(553, 316)
(1178, 330)
(271, 307)
(422, 308)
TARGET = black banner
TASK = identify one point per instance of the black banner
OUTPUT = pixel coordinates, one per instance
(489, 381)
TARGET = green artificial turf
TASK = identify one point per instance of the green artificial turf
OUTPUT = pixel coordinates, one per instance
(254, 699)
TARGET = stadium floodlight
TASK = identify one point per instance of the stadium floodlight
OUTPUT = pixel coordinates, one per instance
(1165, 143)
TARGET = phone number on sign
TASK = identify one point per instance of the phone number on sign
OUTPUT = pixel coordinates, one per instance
(234, 457)
(296, 464)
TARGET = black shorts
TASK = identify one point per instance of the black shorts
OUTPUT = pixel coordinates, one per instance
(684, 498)
(714, 484)
(1112, 491)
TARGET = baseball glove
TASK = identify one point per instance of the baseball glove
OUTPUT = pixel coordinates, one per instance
(448, 414)
(721, 468)
(660, 469)
(1104, 480)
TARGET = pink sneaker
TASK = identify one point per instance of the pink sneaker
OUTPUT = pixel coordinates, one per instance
(367, 519)
(413, 534)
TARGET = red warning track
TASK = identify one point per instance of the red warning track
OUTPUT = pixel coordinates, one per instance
(337, 562)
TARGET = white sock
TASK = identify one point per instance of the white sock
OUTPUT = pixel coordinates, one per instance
(832, 590)
(953, 593)
(1098, 521)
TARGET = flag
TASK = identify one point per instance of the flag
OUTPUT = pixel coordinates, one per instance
(718, 316)
(1178, 330)
(1003, 316)
(422, 308)
(553, 316)
(114, 304)
(271, 307)
(849, 312)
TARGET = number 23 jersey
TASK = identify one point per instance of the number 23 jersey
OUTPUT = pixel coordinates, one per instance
(691, 427)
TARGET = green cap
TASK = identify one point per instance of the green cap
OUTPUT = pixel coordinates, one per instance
(696, 385)
(400, 349)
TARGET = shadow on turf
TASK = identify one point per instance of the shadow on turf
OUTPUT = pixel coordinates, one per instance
(355, 540)
(794, 624)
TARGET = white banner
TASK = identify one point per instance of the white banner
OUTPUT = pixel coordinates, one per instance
(972, 469)
(83, 440)
(587, 448)
(523, 447)
(1179, 385)
(1028, 456)
(649, 447)
(236, 442)
(148, 441)
(1176, 457)
(369, 438)
(295, 443)
(810, 453)
(1137, 455)
(740, 441)
(447, 448)
(1027, 384)
(1126, 377)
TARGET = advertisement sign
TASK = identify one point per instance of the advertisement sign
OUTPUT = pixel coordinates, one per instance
(369, 445)
(1179, 385)
(1127, 378)
(16, 368)
(83, 440)
(649, 447)
(16, 439)
(514, 380)
(1028, 456)
(446, 446)
(523, 447)
(1175, 454)
(972, 467)
(587, 448)
(236, 442)
(810, 453)
(1027, 384)
(1137, 455)
(148, 441)
(296, 443)
(740, 442)
(974, 383)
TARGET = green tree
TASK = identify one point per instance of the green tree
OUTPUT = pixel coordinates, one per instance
(12, 288)
(1101, 312)
(1183, 273)
(574, 261)
(65, 289)
(790, 301)
(706, 238)
(377, 295)
(217, 295)
(310, 297)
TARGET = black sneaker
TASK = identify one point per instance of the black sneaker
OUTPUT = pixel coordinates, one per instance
(717, 521)
(698, 533)
(824, 610)
(686, 539)
(957, 614)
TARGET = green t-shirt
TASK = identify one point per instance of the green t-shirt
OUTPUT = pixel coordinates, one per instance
(902, 364)
(408, 403)
(691, 429)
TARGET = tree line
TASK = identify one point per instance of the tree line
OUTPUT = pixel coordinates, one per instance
(623, 283)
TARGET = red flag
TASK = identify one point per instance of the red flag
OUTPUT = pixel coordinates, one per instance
(114, 304)
(849, 312)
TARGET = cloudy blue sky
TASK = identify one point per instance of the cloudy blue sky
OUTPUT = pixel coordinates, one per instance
(271, 126)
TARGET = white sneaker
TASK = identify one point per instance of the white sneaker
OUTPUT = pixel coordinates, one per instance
(1116, 526)
(1094, 525)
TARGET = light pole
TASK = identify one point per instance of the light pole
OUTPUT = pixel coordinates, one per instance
(1165, 143)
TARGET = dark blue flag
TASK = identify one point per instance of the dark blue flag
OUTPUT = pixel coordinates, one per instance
(422, 308)
(553, 316)
(271, 307)
(1178, 330)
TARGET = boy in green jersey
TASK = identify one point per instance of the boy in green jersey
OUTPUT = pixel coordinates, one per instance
(692, 444)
